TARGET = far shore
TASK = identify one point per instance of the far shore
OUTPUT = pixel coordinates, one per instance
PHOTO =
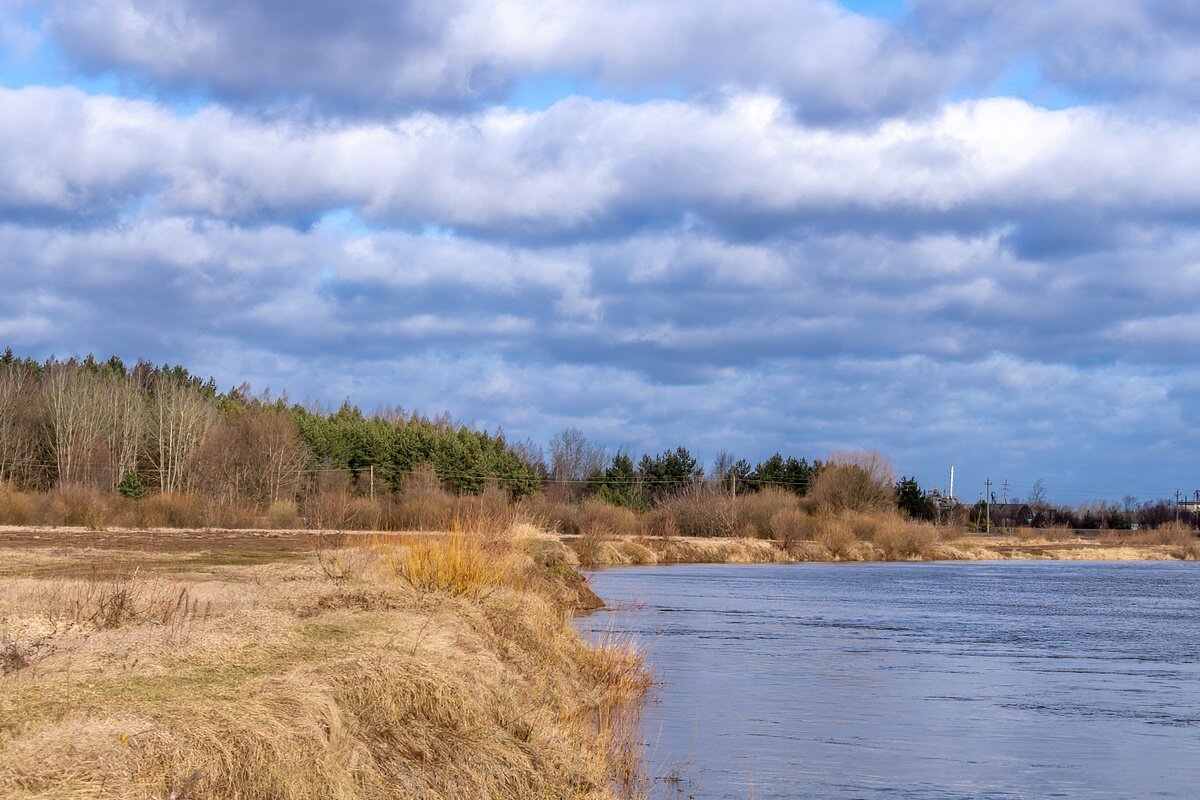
(247, 545)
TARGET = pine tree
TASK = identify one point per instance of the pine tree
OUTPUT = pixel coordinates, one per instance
(131, 486)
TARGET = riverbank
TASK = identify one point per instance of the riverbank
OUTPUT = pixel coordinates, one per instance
(216, 664)
(641, 550)
(177, 547)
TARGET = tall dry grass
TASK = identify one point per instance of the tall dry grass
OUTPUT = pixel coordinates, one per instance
(367, 687)
(462, 562)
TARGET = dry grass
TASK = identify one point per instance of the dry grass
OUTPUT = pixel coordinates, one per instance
(453, 679)
(461, 562)
(678, 550)
(1054, 533)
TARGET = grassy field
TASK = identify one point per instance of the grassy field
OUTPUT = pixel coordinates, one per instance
(263, 665)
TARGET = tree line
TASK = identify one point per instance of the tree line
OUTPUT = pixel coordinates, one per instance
(150, 428)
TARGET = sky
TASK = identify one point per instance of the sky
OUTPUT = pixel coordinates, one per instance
(961, 233)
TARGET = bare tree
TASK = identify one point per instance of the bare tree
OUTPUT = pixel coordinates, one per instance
(18, 424)
(75, 421)
(256, 455)
(179, 417)
(532, 454)
(126, 428)
(722, 465)
(573, 457)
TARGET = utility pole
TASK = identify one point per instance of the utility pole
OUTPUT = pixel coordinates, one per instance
(372, 483)
(987, 507)
(1177, 505)
(734, 485)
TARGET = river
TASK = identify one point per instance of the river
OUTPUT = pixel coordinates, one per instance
(936, 680)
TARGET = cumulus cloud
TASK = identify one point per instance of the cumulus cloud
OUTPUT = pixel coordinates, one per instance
(1054, 181)
(1143, 50)
(373, 56)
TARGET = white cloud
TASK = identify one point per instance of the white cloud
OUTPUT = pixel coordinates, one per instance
(592, 169)
(372, 56)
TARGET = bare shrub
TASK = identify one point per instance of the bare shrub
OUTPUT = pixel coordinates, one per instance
(168, 511)
(790, 526)
(422, 504)
(73, 504)
(1189, 551)
(1175, 534)
(859, 481)
(660, 523)
(594, 517)
(836, 535)
(589, 547)
(283, 515)
(757, 509)
(16, 508)
(328, 504)
(122, 597)
(489, 512)
(702, 511)
(1056, 533)
(899, 539)
(228, 513)
(17, 653)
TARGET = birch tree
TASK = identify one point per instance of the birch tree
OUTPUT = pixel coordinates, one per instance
(75, 420)
(179, 417)
(18, 431)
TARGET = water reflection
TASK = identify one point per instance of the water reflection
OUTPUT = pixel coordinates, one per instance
(1011, 680)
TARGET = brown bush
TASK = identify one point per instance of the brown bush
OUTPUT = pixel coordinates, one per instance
(233, 513)
(758, 509)
(659, 523)
(489, 512)
(897, 538)
(169, 511)
(836, 535)
(791, 526)
(73, 504)
(861, 481)
(1056, 533)
(701, 511)
(283, 515)
(422, 504)
(1175, 534)
(16, 508)
(593, 517)
(328, 504)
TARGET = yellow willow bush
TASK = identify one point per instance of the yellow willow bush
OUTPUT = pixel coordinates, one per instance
(460, 562)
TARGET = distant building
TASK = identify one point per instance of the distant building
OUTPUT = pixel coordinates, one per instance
(1011, 515)
(940, 500)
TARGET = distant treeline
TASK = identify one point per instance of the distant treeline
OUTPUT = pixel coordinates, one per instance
(150, 428)
(109, 427)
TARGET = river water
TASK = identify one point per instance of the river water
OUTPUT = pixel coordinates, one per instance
(938, 680)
